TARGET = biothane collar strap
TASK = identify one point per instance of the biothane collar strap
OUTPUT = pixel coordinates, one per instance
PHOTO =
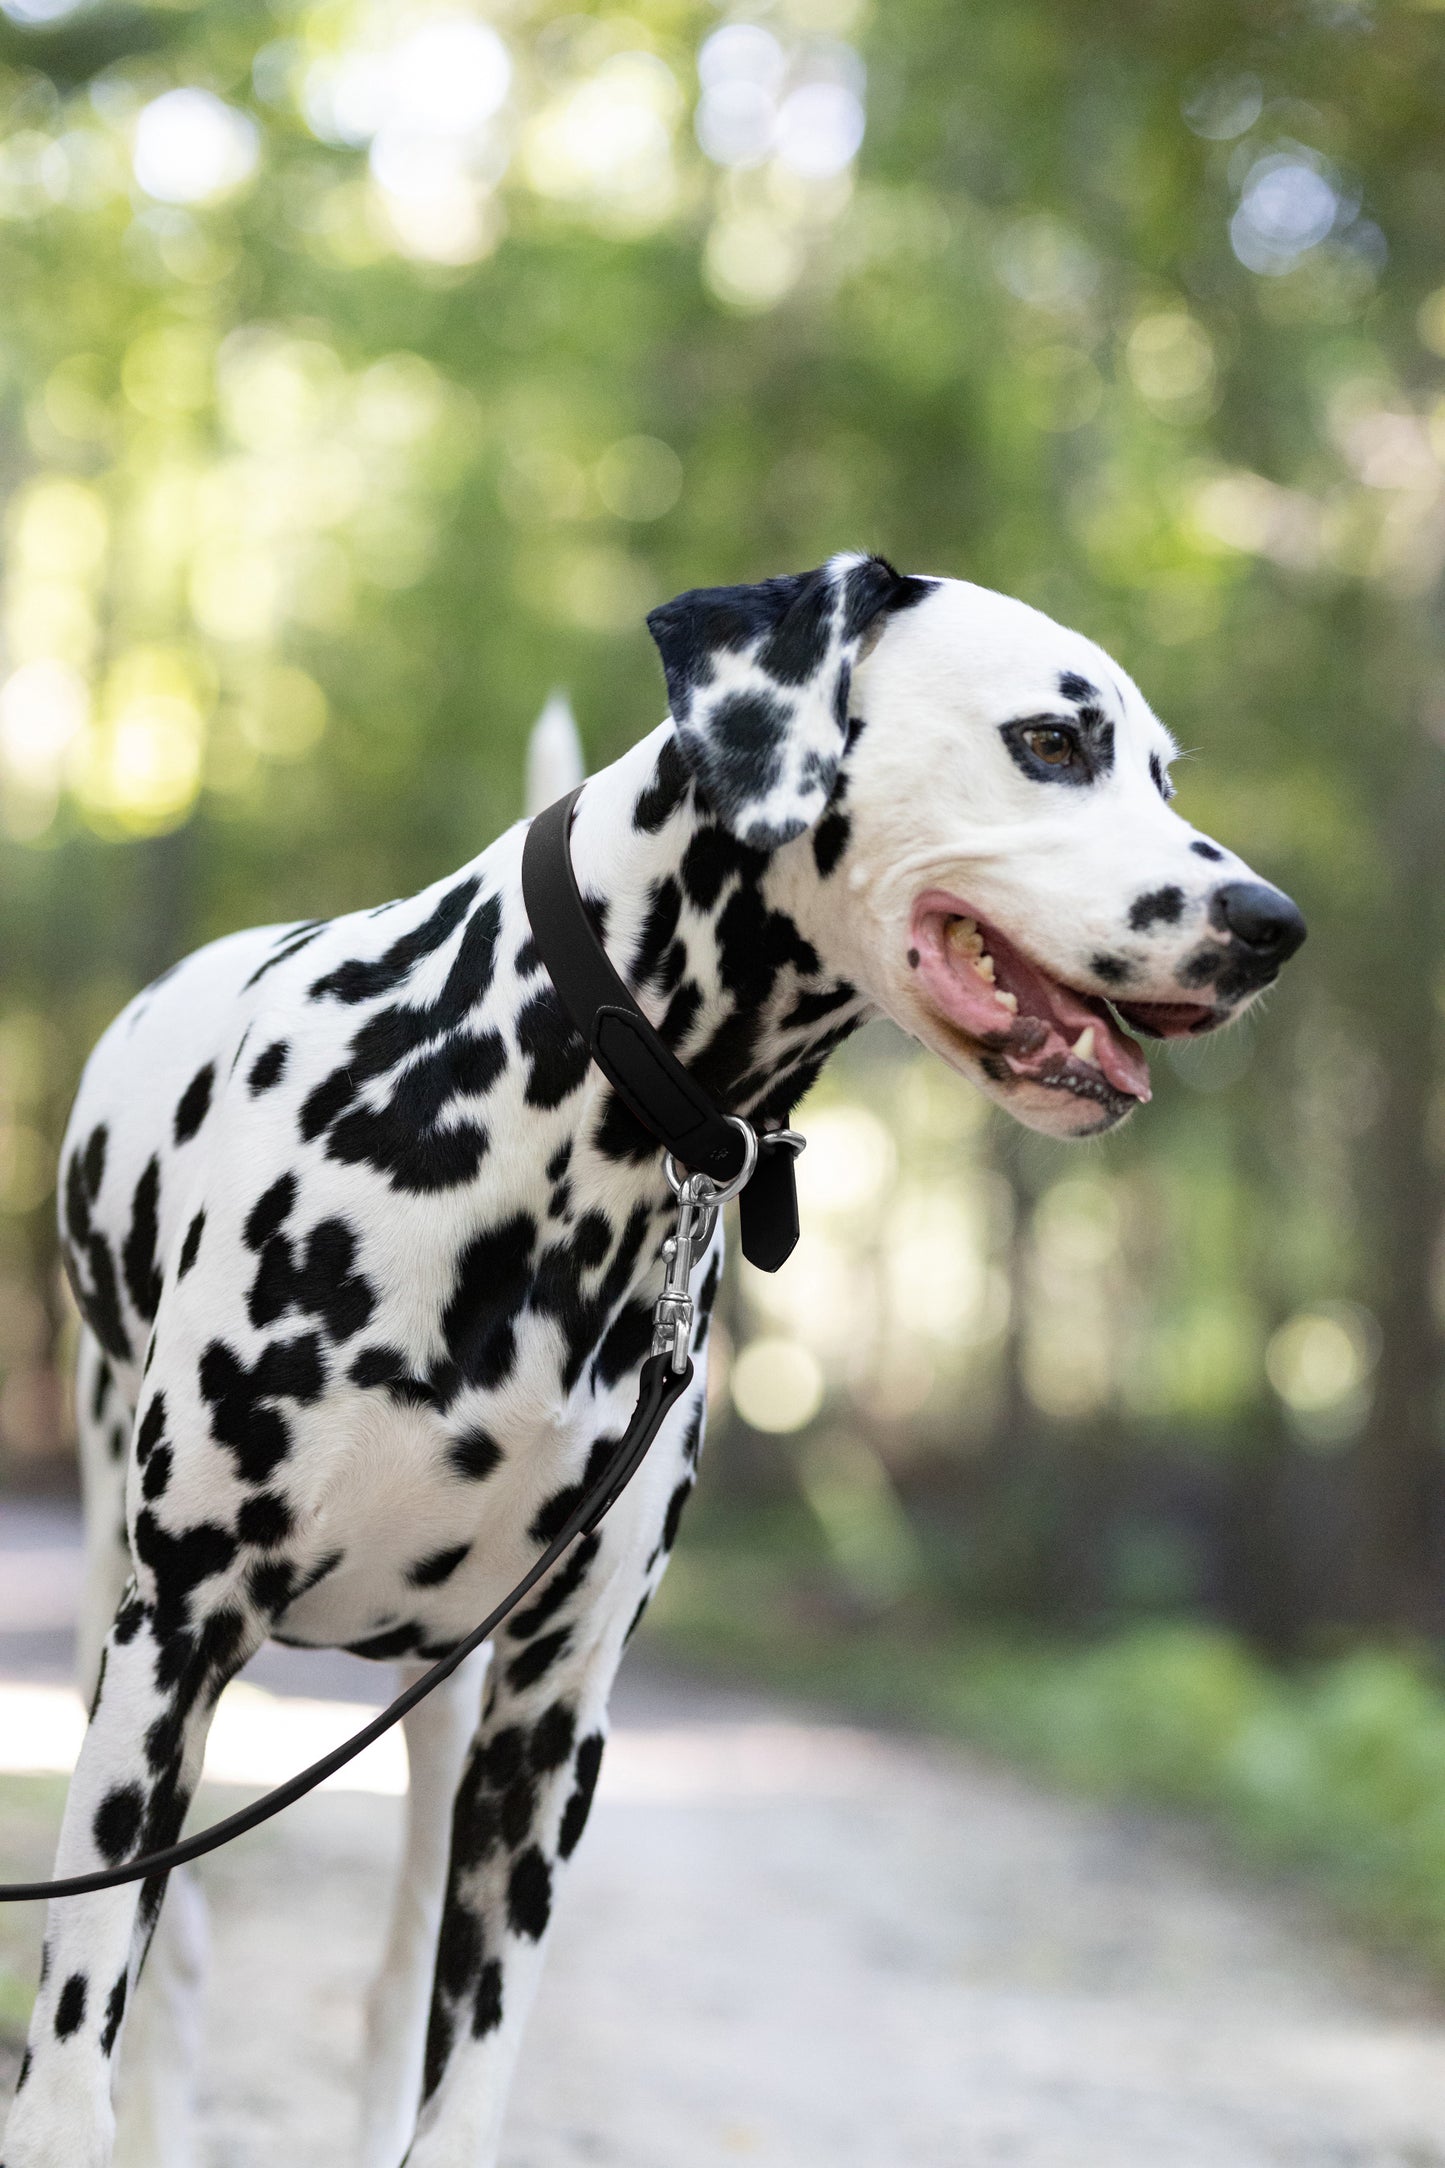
(646, 1075)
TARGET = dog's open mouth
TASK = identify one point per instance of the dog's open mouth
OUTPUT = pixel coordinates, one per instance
(1029, 1024)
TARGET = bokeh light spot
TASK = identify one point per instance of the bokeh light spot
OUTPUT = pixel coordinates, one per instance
(190, 147)
(777, 1385)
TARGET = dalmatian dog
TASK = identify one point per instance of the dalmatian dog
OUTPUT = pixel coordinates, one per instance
(366, 1251)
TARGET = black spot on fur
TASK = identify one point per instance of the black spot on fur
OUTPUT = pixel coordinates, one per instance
(518, 1810)
(665, 793)
(625, 1342)
(387, 1366)
(271, 1210)
(93, 1161)
(405, 1139)
(384, 1648)
(365, 981)
(88, 1255)
(559, 1289)
(710, 858)
(490, 1287)
(241, 1414)
(552, 1737)
(474, 1455)
(712, 1280)
(268, 1068)
(439, 1566)
(682, 1013)
(830, 840)
(70, 2009)
(1202, 849)
(271, 1585)
(1113, 970)
(114, 2012)
(438, 2047)
(556, 1054)
(664, 909)
(1160, 906)
(142, 1276)
(264, 1520)
(459, 1949)
(117, 1822)
(487, 2007)
(579, 1806)
(675, 1507)
(529, 1895)
(194, 1103)
(1159, 778)
(290, 944)
(1203, 968)
(402, 1138)
(810, 1008)
(535, 1661)
(740, 757)
(151, 1428)
(158, 1473)
(322, 1284)
(560, 1161)
(561, 1584)
(325, 1101)
(552, 1517)
(190, 1248)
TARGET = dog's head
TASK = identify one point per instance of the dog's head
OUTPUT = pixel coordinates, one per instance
(993, 857)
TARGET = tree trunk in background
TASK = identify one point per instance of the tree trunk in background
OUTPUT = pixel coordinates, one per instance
(1398, 1461)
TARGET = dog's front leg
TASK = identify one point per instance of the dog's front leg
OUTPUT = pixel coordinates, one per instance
(438, 1733)
(520, 1808)
(138, 1766)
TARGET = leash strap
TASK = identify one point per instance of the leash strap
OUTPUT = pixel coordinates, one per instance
(661, 1386)
(641, 1068)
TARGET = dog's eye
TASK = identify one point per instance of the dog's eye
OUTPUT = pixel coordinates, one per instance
(1049, 751)
(1055, 748)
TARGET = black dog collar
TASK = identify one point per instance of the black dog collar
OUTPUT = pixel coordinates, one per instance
(646, 1075)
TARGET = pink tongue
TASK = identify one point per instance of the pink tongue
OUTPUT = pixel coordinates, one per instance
(1121, 1058)
(1044, 1004)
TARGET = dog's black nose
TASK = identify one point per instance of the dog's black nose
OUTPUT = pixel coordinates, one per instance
(1260, 918)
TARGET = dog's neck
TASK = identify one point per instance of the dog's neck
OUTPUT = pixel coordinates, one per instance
(725, 947)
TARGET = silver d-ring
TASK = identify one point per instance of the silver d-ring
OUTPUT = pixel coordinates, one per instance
(726, 1190)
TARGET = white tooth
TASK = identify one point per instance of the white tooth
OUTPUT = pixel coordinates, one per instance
(1006, 1001)
(983, 965)
(965, 936)
(1083, 1048)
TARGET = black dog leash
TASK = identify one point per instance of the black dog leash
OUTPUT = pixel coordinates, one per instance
(681, 1115)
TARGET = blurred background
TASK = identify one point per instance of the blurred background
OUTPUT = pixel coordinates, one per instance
(369, 369)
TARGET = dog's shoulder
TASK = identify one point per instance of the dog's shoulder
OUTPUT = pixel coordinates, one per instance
(352, 1034)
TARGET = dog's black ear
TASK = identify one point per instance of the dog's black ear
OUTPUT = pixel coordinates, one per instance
(758, 681)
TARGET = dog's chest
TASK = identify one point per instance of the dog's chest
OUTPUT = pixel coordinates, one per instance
(416, 1523)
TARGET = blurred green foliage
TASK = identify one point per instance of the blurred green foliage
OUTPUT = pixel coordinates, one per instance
(367, 367)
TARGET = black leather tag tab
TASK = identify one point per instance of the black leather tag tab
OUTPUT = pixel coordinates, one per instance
(768, 1211)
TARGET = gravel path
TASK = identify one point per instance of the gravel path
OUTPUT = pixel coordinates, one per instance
(788, 1945)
